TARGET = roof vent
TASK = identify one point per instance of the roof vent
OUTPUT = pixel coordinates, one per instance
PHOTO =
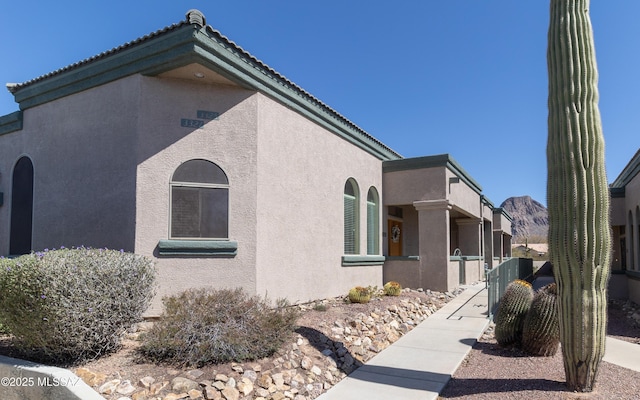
(195, 17)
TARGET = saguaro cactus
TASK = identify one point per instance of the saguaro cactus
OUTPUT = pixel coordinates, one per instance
(577, 192)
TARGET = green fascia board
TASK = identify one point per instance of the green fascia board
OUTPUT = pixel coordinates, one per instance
(635, 275)
(104, 69)
(187, 44)
(359, 260)
(485, 200)
(505, 213)
(628, 172)
(617, 192)
(253, 75)
(11, 122)
(435, 161)
(197, 248)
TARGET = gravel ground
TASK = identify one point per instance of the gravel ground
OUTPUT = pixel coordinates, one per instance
(493, 372)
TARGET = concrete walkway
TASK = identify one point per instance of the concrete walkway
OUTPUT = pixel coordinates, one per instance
(419, 364)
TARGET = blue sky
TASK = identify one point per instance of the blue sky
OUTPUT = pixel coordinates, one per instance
(464, 77)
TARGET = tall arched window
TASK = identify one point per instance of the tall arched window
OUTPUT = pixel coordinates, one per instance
(351, 220)
(199, 201)
(373, 222)
(21, 207)
(637, 244)
(632, 242)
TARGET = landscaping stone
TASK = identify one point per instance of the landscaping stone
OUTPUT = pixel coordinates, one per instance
(302, 370)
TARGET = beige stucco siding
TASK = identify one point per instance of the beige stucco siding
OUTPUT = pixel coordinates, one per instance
(229, 142)
(462, 196)
(405, 187)
(84, 168)
(302, 170)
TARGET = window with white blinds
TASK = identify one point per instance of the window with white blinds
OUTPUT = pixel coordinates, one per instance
(373, 222)
(351, 221)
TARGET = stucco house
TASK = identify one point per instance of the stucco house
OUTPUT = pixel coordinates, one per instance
(183, 147)
(625, 224)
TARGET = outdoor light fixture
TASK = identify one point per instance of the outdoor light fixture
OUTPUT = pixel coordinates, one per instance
(199, 75)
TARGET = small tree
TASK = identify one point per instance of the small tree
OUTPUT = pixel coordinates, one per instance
(577, 192)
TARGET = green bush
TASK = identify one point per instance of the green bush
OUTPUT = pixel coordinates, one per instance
(70, 305)
(201, 326)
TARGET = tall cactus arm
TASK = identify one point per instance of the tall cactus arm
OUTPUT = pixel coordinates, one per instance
(577, 192)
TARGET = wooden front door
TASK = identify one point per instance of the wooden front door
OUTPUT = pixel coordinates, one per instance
(394, 235)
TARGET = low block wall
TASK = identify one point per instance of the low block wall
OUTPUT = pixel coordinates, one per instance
(20, 380)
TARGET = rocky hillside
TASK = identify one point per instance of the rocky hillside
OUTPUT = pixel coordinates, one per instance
(530, 219)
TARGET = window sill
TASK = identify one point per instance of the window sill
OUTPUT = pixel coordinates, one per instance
(358, 260)
(635, 275)
(402, 258)
(197, 248)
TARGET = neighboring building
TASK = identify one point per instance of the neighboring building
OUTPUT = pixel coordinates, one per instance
(183, 147)
(625, 223)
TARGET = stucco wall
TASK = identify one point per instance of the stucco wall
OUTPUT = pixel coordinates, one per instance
(463, 197)
(405, 187)
(302, 170)
(618, 211)
(229, 142)
(83, 155)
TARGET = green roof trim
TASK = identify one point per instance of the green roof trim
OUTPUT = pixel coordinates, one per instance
(11, 122)
(505, 213)
(440, 160)
(186, 43)
(628, 173)
(617, 192)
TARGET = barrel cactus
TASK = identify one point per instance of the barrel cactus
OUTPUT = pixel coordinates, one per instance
(359, 294)
(512, 310)
(541, 334)
(392, 288)
(577, 192)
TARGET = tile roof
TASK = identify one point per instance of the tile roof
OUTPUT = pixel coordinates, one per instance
(195, 17)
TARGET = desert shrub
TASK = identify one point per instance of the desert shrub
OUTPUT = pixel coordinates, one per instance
(70, 305)
(205, 326)
(4, 263)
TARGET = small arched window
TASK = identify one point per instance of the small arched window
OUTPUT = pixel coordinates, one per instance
(373, 222)
(351, 220)
(199, 201)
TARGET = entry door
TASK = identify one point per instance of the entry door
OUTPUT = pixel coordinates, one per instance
(394, 234)
(21, 208)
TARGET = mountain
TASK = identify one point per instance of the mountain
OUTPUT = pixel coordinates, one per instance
(530, 219)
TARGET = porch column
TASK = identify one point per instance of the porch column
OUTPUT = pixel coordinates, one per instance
(434, 242)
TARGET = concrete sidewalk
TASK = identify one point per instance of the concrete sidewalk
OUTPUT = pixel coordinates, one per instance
(624, 354)
(419, 364)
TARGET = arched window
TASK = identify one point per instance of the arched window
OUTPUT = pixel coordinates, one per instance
(199, 201)
(351, 220)
(21, 207)
(373, 222)
(632, 245)
(637, 244)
